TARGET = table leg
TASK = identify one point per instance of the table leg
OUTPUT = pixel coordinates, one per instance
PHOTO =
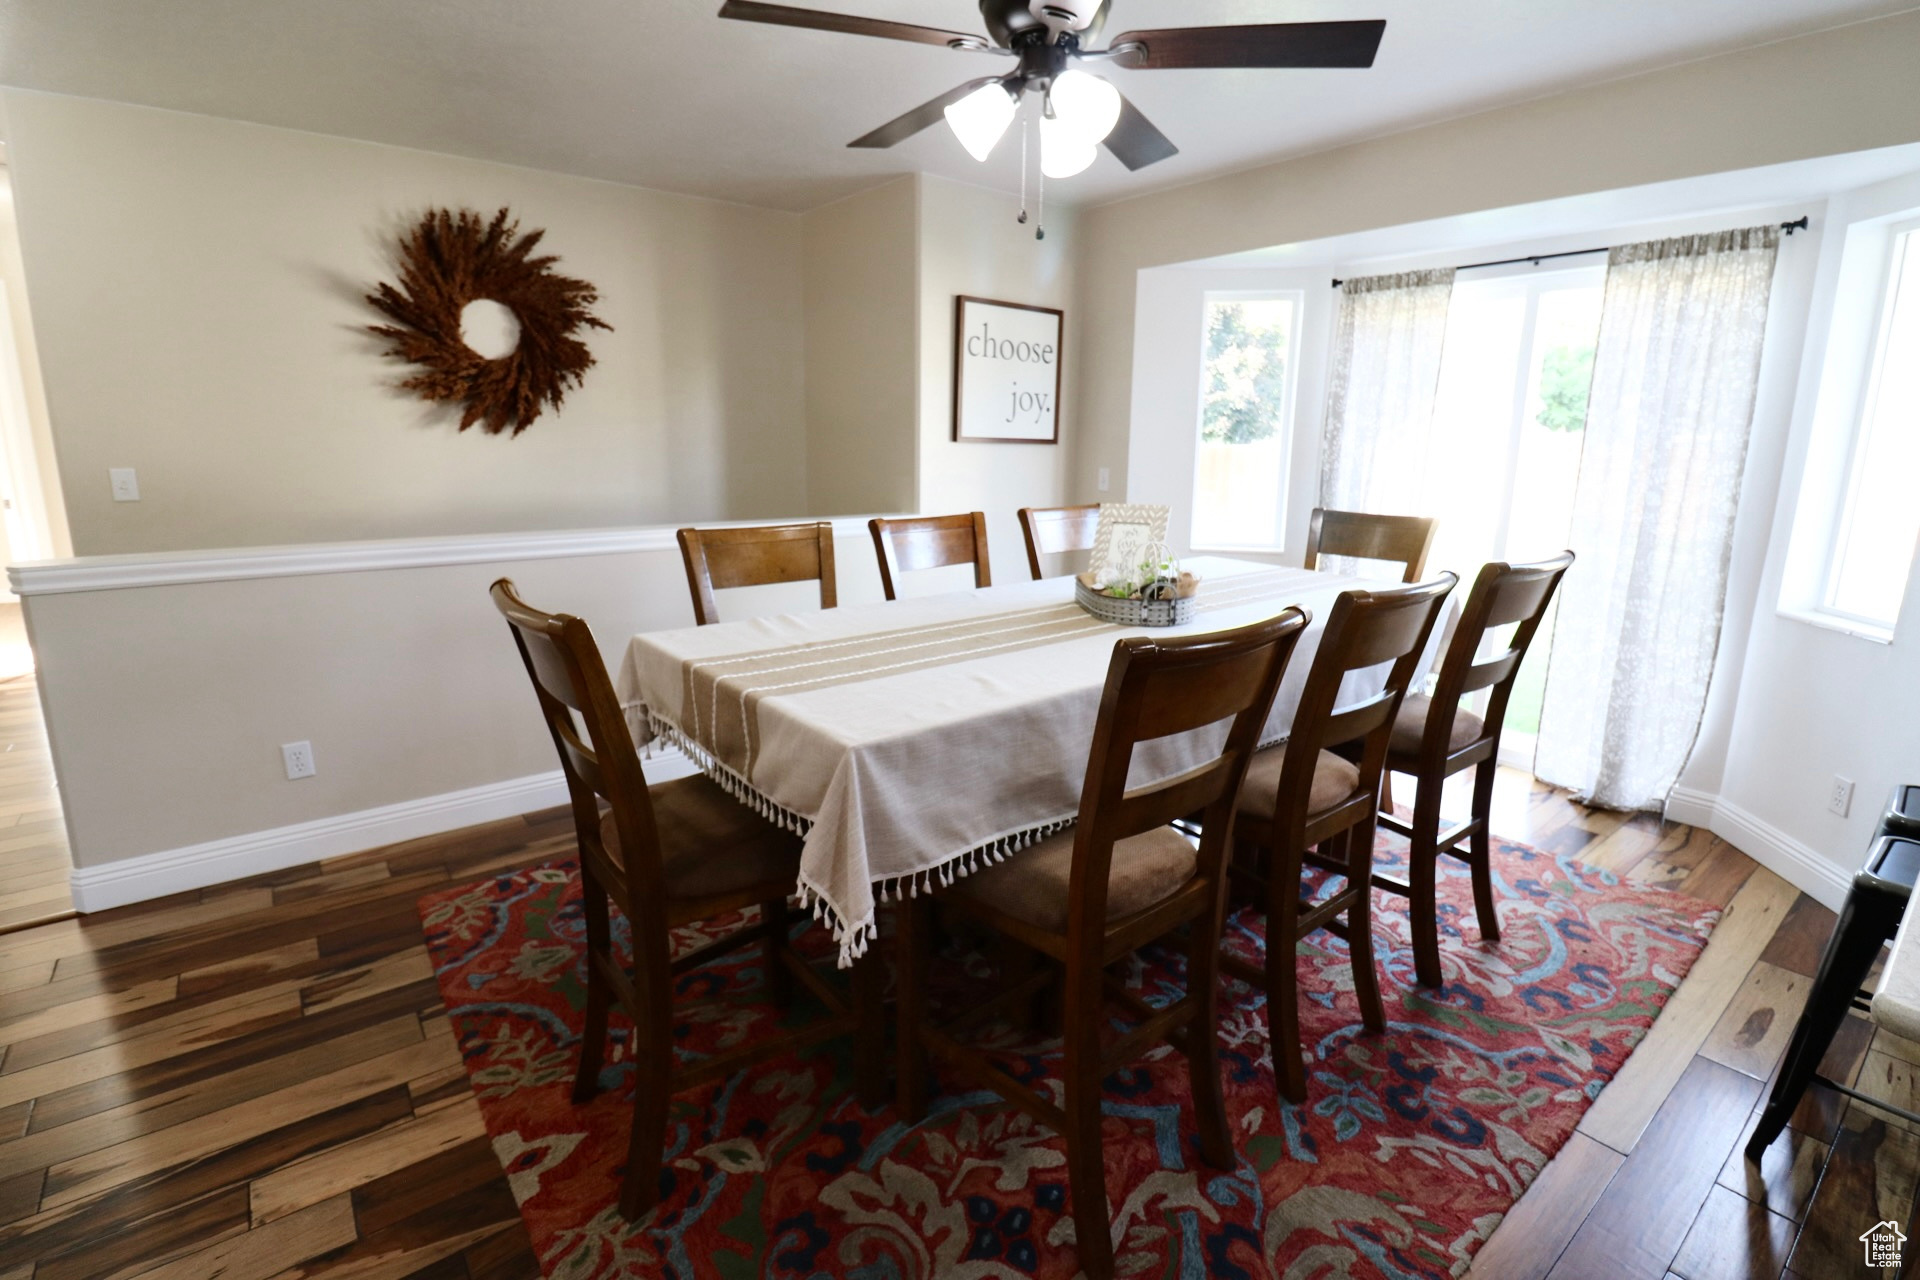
(867, 977)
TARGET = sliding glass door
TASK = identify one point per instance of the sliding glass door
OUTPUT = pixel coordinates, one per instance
(1509, 422)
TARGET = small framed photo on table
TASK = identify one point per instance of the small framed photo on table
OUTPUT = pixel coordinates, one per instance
(1129, 533)
(1006, 372)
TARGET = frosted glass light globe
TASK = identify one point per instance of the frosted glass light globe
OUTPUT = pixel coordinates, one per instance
(1064, 151)
(1086, 104)
(981, 118)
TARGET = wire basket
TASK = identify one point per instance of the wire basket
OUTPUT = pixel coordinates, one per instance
(1134, 613)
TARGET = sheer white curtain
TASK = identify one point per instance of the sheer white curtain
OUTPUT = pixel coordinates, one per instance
(1386, 368)
(1666, 441)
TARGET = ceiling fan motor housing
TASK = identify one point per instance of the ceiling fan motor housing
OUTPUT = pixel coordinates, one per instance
(1006, 19)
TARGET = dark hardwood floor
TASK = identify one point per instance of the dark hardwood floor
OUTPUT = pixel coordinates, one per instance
(258, 1080)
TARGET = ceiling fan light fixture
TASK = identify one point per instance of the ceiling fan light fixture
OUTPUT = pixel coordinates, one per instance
(981, 118)
(1064, 150)
(1085, 104)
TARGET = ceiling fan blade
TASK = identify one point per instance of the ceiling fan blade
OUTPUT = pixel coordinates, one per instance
(921, 117)
(1135, 142)
(787, 16)
(1279, 44)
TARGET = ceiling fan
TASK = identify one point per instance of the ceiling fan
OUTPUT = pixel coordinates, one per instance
(1079, 110)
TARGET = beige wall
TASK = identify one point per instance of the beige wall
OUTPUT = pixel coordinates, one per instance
(1848, 89)
(861, 274)
(167, 705)
(197, 288)
(971, 244)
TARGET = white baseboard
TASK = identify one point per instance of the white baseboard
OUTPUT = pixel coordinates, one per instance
(155, 875)
(1798, 864)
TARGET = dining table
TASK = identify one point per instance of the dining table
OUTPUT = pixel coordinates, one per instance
(914, 741)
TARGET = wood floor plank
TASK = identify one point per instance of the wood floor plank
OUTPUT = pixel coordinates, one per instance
(1628, 1103)
(507, 1254)
(1626, 847)
(210, 1130)
(320, 1035)
(267, 1249)
(1640, 1221)
(1734, 1239)
(72, 1227)
(354, 1164)
(1870, 1177)
(1718, 876)
(20, 1196)
(257, 1084)
(1784, 1179)
(1753, 1032)
(157, 1239)
(250, 970)
(26, 976)
(1530, 1239)
(107, 929)
(1801, 939)
(18, 1025)
(1892, 1080)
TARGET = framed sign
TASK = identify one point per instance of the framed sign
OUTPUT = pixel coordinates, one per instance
(1006, 371)
(1126, 536)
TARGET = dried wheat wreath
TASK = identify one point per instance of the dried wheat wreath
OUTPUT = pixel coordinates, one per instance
(451, 259)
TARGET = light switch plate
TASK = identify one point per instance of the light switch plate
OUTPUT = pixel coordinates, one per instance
(1106, 479)
(126, 485)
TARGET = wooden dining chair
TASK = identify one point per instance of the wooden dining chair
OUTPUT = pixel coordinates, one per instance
(930, 542)
(1312, 801)
(1404, 540)
(666, 856)
(1121, 878)
(1054, 530)
(1436, 737)
(756, 555)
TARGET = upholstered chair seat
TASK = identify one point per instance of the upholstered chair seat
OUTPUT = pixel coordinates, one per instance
(1411, 724)
(1334, 779)
(1031, 886)
(710, 843)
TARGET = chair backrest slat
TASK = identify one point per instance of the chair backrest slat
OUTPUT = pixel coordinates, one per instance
(570, 678)
(1362, 535)
(930, 542)
(1516, 595)
(1156, 689)
(756, 555)
(1365, 629)
(1054, 530)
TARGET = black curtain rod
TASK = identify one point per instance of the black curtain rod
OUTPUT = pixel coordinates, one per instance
(1798, 224)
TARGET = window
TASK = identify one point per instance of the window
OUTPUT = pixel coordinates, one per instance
(1873, 545)
(1246, 421)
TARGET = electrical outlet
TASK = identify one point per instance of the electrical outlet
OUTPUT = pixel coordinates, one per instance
(126, 485)
(299, 759)
(1840, 799)
(1106, 479)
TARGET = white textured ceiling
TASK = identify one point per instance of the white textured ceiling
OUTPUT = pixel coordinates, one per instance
(662, 93)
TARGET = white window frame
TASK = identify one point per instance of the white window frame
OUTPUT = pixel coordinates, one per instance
(1902, 238)
(1289, 421)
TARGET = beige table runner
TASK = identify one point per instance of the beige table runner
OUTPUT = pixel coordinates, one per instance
(721, 697)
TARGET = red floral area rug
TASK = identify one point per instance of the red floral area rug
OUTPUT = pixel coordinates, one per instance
(1410, 1148)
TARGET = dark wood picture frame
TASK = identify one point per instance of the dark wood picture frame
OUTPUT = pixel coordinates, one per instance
(960, 304)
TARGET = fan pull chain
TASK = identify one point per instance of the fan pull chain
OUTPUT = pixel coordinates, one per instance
(1024, 128)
